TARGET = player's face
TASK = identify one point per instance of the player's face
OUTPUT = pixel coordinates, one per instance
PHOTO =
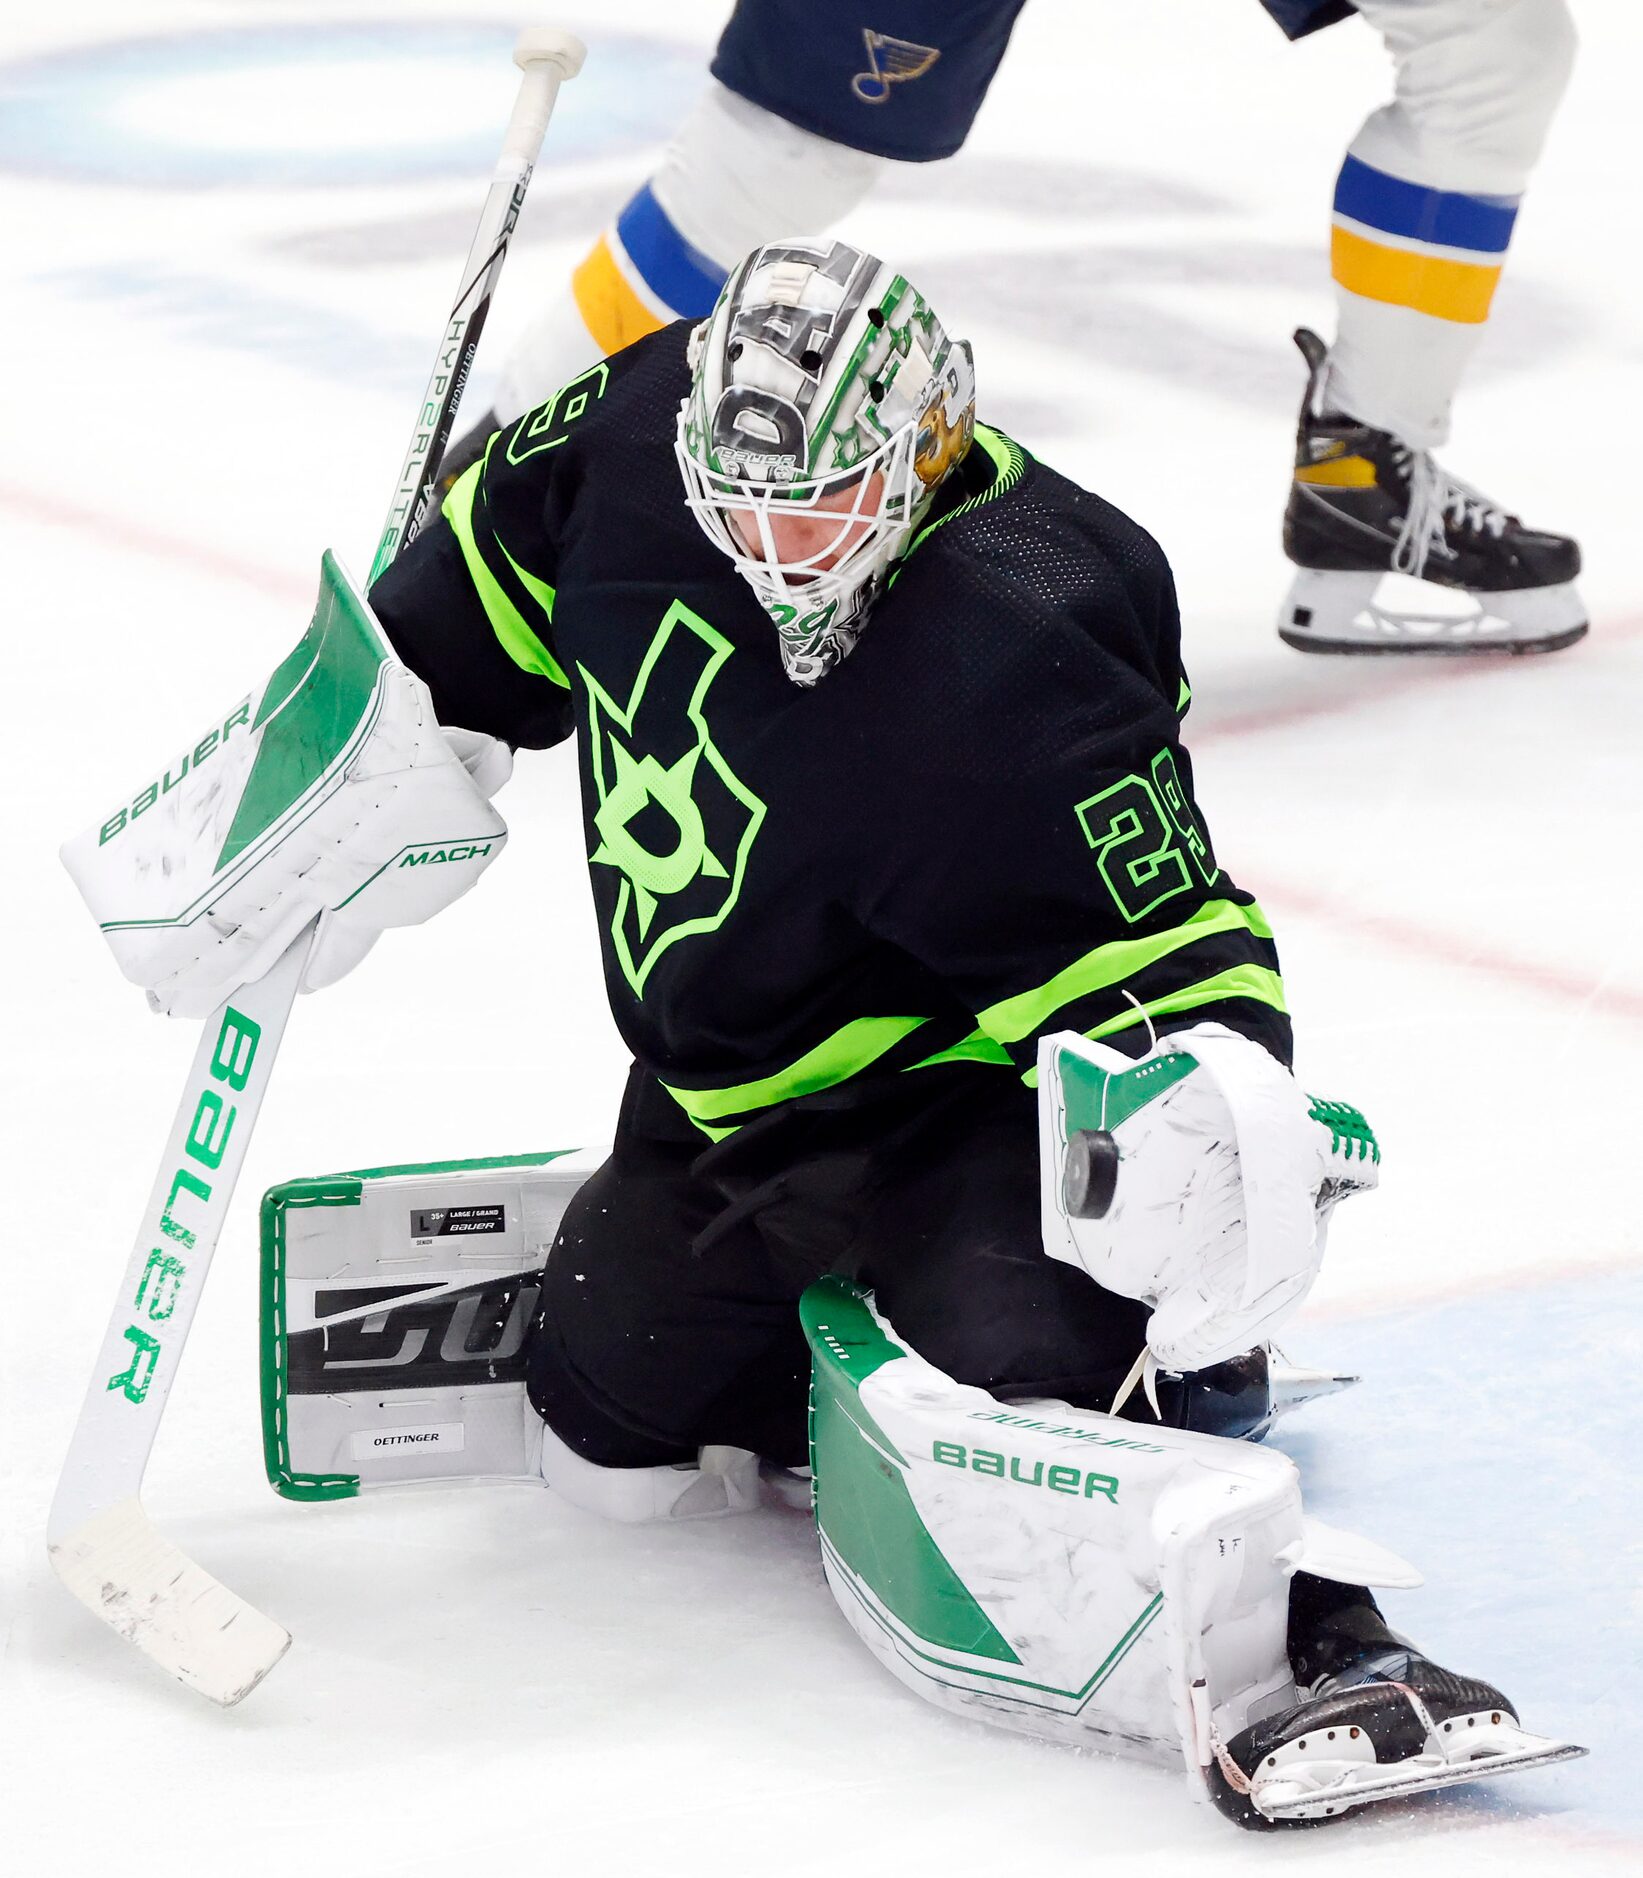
(815, 538)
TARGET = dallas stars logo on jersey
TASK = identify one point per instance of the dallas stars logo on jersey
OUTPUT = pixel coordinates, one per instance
(674, 819)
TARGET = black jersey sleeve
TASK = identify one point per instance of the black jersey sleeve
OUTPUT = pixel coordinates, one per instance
(469, 605)
(1047, 856)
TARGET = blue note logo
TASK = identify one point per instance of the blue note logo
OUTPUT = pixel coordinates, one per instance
(890, 62)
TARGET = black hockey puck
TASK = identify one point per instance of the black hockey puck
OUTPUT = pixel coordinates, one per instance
(1091, 1174)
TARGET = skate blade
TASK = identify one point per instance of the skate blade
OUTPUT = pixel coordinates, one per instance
(1293, 1388)
(1370, 613)
(1360, 1784)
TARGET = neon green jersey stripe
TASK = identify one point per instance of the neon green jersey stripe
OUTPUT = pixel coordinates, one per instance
(512, 631)
(1242, 981)
(978, 1047)
(842, 1055)
(1020, 1016)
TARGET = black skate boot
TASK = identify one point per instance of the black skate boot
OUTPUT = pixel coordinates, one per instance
(1240, 1399)
(1377, 1720)
(1364, 506)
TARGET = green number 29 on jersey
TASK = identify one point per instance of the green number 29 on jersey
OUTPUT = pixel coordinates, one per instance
(1148, 842)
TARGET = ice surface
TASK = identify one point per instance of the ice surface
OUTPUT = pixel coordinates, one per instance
(221, 295)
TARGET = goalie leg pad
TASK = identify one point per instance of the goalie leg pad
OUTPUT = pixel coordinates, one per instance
(396, 1304)
(1056, 1571)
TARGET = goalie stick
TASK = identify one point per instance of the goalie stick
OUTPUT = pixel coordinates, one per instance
(101, 1542)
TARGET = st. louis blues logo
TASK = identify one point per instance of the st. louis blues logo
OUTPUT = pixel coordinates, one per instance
(890, 62)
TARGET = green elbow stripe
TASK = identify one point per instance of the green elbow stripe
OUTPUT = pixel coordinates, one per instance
(1254, 982)
(1026, 1014)
(513, 631)
(844, 1054)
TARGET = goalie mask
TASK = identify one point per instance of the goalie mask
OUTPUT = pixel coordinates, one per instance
(827, 404)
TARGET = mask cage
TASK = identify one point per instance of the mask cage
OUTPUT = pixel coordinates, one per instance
(870, 538)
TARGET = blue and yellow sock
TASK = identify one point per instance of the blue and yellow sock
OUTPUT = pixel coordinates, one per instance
(642, 274)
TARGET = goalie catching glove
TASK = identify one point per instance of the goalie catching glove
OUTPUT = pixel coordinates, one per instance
(330, 793)
(1199, 1180)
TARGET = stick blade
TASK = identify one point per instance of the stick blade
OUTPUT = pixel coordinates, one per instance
(125, 1571)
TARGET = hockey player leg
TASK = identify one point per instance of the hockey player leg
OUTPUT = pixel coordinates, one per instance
(1395, 554)
(788, 136)
(733, 175)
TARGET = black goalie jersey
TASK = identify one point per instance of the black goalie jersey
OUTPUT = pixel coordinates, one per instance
(978, 828)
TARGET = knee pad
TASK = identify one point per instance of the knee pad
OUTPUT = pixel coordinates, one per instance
(1233, 1399)
(1055, 1571)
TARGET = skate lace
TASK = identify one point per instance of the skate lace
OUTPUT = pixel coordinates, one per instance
(1437, 499)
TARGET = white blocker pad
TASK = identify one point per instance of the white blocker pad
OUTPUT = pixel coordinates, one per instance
(395, 1307)
(1220, 1176)
(330, 789)
(1093, 1581)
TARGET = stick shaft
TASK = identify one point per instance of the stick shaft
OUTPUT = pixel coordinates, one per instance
(414, 491)
(101, 1542)
(180, 1227)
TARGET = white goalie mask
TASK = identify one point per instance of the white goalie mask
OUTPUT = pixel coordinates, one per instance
(827, 404)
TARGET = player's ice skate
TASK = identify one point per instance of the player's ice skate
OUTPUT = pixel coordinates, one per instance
(1392, 1725)
(1393, 554)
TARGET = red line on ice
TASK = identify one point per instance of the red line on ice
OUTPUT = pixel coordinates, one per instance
(155, 543)
(1527, 1278)
(1481, 956)
(1420, 676)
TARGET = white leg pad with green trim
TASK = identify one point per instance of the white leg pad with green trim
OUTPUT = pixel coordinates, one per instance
(395, 1306)
(1066, 1574)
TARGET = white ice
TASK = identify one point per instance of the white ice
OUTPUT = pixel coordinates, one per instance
(227, 256)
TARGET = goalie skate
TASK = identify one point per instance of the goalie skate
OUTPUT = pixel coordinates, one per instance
(1293, 1386)
(1397, 1725)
